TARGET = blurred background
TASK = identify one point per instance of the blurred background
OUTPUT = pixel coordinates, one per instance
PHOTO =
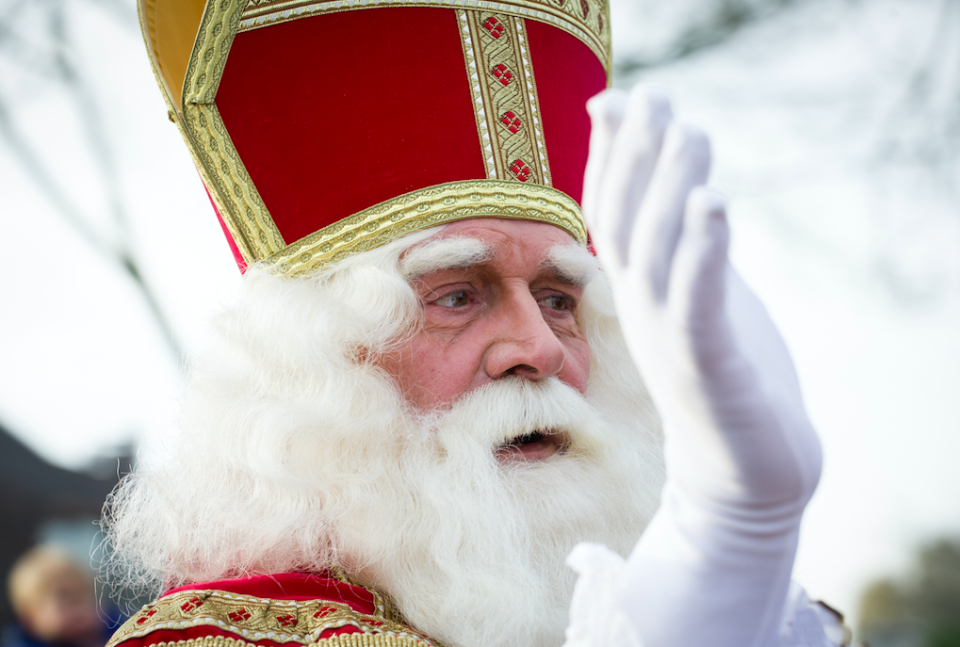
(836, 134)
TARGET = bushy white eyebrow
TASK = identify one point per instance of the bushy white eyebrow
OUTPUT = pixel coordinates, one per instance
(444, 254)
(571, 263)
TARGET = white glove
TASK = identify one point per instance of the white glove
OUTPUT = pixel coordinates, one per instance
(713, 568)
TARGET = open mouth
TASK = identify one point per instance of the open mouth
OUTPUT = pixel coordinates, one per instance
(533, 446)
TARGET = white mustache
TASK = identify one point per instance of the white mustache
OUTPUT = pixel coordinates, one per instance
(505, 409)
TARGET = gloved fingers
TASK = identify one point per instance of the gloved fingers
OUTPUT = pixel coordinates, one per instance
(757, 337)
(630, 163)
(684, 164)
(697, 284)
(606, 112)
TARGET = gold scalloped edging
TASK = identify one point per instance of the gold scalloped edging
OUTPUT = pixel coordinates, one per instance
(367, 640)
(587, 20)
(250, 618)
(429, 207)
(237, 199)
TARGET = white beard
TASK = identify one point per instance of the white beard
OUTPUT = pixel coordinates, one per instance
(309, 458)
(472, 550)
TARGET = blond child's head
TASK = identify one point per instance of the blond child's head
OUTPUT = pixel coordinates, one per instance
(53, 597)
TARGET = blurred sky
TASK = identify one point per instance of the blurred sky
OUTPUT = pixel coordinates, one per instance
(854, 249)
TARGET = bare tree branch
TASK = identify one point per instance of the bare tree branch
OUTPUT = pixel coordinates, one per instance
(720, 21)
(57, 63)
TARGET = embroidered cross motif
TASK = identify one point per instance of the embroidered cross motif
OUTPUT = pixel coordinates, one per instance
(520, 170)
(505, 99)
(287, 620)
(324, 611)
(191, 604)
(493, 26)
(511, 121)
(239, 615)
(144, 617)
(502, 73)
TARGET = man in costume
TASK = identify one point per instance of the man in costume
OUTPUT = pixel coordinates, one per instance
(428, 394)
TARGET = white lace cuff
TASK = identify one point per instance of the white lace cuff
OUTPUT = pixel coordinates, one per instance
(597, 618)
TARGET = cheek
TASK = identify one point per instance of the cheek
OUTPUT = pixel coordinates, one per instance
(576, 368)
(431, 372)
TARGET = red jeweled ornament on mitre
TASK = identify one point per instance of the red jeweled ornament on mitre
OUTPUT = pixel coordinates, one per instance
(325, 128)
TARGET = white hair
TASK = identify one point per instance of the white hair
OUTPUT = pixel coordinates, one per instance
(297, 453)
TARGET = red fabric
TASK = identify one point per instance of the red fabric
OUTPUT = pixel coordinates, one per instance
(237, 256)
(291, 586)
(335, 113)
(567, 73)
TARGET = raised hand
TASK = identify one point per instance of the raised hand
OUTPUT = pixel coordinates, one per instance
(742, 459)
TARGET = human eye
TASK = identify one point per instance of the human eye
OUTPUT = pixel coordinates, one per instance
(456, 299)
(556, 302)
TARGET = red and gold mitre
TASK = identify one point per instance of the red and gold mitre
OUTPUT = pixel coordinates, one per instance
(327, 127)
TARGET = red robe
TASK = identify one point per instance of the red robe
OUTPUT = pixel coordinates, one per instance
(272, 611)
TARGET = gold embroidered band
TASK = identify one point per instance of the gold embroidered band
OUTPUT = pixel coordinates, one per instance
(224, 174)
(429, 207)
(343, 640)
(252, 618)
(504, 96)
(583, 19)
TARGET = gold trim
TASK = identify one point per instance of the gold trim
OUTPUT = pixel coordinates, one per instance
(505, 97)
(474, 70)
(343, 640)
(240, 205)
(367, 640)
(169, 31)
(584, 19)
(384, 605)
(532, 102)
(252, 618)
(429, 207)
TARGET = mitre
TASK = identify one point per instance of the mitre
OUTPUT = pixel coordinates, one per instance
(322, 129)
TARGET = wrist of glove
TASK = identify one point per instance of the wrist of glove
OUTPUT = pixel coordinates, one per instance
(598, 620)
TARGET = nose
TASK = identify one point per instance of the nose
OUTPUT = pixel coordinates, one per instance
(523, 344)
